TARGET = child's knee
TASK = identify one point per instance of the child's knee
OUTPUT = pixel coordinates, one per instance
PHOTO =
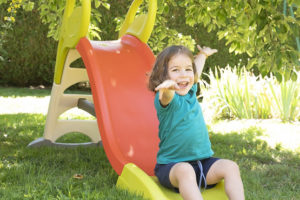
(231, 167)
(182, 171)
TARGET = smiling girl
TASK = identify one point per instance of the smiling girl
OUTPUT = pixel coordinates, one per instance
(184, 159)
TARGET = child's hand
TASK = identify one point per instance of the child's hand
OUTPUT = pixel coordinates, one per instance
(207, 51)
(201, 57)
(167, 85)
(166, 91)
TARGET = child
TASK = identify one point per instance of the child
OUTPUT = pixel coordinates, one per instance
(184, 159)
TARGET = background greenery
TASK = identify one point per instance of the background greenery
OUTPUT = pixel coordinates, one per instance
(255, 30)
(32, 63)
(29, 55)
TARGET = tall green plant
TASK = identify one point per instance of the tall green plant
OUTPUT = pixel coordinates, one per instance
(243, 95)
(234, 92)
(287, 98)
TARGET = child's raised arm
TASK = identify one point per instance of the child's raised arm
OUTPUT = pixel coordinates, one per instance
(166, 91)
(201, 57)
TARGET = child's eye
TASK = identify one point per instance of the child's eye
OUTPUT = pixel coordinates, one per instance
(175, 70)
(189, 69)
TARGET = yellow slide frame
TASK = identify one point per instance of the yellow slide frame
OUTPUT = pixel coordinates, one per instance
(75, 25)
(140, 26)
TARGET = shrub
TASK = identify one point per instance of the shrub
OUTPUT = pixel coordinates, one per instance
(31, 59)
(30, 55)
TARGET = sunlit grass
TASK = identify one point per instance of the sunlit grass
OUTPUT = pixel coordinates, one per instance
(267, 173)
(275, 133)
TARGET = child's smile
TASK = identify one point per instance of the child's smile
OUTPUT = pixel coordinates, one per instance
(180, 70)
(183, 84)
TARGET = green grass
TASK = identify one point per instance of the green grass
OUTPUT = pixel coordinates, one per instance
(14, 92)
(267, 173)
(47, 173)
(23, 92)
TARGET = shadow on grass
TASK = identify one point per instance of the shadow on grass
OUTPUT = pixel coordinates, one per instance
(46, 173)
(267, 173)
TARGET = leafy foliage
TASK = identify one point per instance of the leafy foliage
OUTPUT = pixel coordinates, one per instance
(258, 28)
(255, 29)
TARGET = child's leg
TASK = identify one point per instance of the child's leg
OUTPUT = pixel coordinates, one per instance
(229, 171)
(183, 176)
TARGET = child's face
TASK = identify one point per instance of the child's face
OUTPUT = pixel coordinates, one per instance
(180, 70)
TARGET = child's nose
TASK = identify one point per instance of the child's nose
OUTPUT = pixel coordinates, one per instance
(183, 73)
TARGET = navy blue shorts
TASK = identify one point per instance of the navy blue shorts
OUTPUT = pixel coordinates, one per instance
(162, 172)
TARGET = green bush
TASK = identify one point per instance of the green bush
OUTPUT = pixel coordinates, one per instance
(29, 57)
(175, 21)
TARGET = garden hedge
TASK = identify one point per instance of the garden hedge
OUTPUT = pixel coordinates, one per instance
(29, 56)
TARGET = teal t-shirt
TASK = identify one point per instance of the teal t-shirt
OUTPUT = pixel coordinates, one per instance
(182, 130)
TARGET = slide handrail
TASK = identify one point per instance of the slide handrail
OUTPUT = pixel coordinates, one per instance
(141, 26)
(75, 25)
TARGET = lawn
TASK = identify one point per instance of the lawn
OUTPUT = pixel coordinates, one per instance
(268, 171)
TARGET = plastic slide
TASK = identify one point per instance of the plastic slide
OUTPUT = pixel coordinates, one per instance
(124, 106)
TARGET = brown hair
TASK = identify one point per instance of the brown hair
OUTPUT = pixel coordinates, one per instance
(160, 69)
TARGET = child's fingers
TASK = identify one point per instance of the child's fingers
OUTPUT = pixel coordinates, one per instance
(176, 87)
(167, 85)
(206, 50)
(161, 86)
(157, 88)
(209, 51)
(212, 51)
(199, 47)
